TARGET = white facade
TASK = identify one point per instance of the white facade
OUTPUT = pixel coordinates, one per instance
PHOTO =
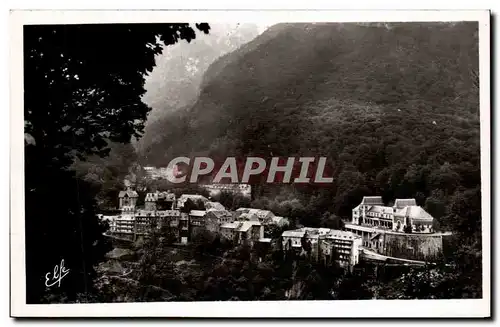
(324, 242)
(405, 212)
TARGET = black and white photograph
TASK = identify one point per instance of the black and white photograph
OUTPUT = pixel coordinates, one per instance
(219, 160)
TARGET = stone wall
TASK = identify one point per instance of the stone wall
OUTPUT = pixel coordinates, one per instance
(414, 246)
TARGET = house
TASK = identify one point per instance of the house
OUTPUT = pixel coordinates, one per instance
(145, 220)
(292, 239)
(170, 217)
(197, 221)
(324, 244)
(127, 198)
(150, 201)
(249, 232)
(165, 200)
(228, 231)
(159, 201)
(215, 218)
(197, 217)
(241, 232)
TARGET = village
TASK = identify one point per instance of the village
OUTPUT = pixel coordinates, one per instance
(398, 234)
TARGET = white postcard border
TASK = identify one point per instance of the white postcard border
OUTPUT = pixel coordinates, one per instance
(357, 309)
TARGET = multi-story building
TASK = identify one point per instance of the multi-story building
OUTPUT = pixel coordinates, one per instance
(184, 234)
(324, 244)
(127, 198)
(249, 232)
(214, 206)
(241, 232)
(123, 224)
(197, 222)
(215, 218)
(150, 201)
(403, 215)
(159, 201)
(145, 220)
(228, 230)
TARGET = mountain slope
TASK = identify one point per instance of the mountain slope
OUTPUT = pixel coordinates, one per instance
(276, 93)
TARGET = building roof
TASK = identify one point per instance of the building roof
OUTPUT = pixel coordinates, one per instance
(232, 225)
(129, 193)
(359, 227)
(293, 233)
(168, 213)
(415, 213)
(372, 200)
(246, 225)
(151, 197)
(214, 205)
(197, 213)
(315, 231)
(381, 209)
(401, 203)
(248, 210)
(220, 213)
(265, 240)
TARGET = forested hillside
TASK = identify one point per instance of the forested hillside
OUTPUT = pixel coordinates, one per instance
(174, 84)
(395, 108)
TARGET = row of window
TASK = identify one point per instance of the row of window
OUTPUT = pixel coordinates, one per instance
(379, 215)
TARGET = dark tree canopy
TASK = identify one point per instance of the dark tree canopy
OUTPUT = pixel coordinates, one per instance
(82, 89)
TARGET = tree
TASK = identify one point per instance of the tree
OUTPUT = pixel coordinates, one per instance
(79, 94)
(192, 205)
(332, 221)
